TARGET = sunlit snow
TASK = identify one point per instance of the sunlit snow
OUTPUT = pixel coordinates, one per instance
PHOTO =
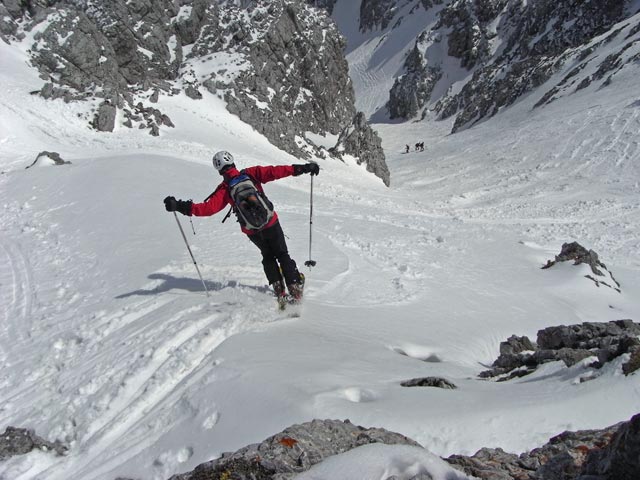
(109, 344)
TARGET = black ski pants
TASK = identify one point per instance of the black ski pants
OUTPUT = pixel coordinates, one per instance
(275, 255)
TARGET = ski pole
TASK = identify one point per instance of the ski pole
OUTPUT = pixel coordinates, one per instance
(310, 263)
(191, 253)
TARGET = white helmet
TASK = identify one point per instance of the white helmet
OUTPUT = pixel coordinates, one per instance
(222, 159)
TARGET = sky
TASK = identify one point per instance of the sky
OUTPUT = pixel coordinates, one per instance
(109, 344)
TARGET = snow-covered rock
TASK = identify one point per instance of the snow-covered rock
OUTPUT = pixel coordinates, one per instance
(19, 441)
(601, 341)
(294, 450)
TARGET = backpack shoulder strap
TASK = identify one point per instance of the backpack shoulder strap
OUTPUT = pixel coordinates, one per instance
(215, 191)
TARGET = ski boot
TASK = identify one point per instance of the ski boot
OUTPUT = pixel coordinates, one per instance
(296, 289)
(281, 294)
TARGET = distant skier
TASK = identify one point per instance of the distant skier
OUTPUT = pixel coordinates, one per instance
(258, 220)
(406, 149)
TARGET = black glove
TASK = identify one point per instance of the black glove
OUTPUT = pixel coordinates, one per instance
(182, 206)
(311, 168)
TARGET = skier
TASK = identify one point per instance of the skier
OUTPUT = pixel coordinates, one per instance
(243, 191)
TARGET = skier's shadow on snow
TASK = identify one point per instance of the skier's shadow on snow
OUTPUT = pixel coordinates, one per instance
(188, 284)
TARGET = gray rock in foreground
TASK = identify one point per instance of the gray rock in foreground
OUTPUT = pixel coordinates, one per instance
(612, 453)
(20, 441)
(619, 459)
(294, 450)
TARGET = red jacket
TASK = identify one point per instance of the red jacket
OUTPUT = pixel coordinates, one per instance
(221, 198)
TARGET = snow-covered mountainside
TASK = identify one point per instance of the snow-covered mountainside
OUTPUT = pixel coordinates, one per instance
(471, 59)
(109, 346)
(279, 66)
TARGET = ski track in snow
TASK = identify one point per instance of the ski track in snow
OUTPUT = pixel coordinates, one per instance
(17, 295)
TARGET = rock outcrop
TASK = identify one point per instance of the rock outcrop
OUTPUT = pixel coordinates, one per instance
(326, 4)
(412, 91)
(435, 382)
(298, 79)
(537, 38)
(571, 344)
(360, 141)
(485, 55)
(19, 441)
(612, 453)
(619, 459)
(279, 65)
(293, 450)
(579, 255)
(52, 156)
(376, 14)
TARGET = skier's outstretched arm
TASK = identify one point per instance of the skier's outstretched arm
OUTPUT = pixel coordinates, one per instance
(275, 172)
(216, 202)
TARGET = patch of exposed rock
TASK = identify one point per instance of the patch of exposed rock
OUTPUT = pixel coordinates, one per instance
(571, 344)
(53, 156)
(326, 4)
(619, 459)
(363, 143)
(279, 65)
(537, 38)
(376, 14)
(19, 441)
(436, 382)
(293, 450)
(297, 80)
(579, 255)
(508, 48)
(612, 453)
(411, 91)
(469, 31)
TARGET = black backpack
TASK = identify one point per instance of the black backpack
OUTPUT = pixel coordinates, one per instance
(252, 207)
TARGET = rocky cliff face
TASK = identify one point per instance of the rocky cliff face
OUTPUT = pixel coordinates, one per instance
(412, 91)
(297, 80)
(504, 49)
(537, 39)
(361, 142)
(278, 64)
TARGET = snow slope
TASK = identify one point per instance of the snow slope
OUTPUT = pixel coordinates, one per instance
(108, 343)
(376, 58)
